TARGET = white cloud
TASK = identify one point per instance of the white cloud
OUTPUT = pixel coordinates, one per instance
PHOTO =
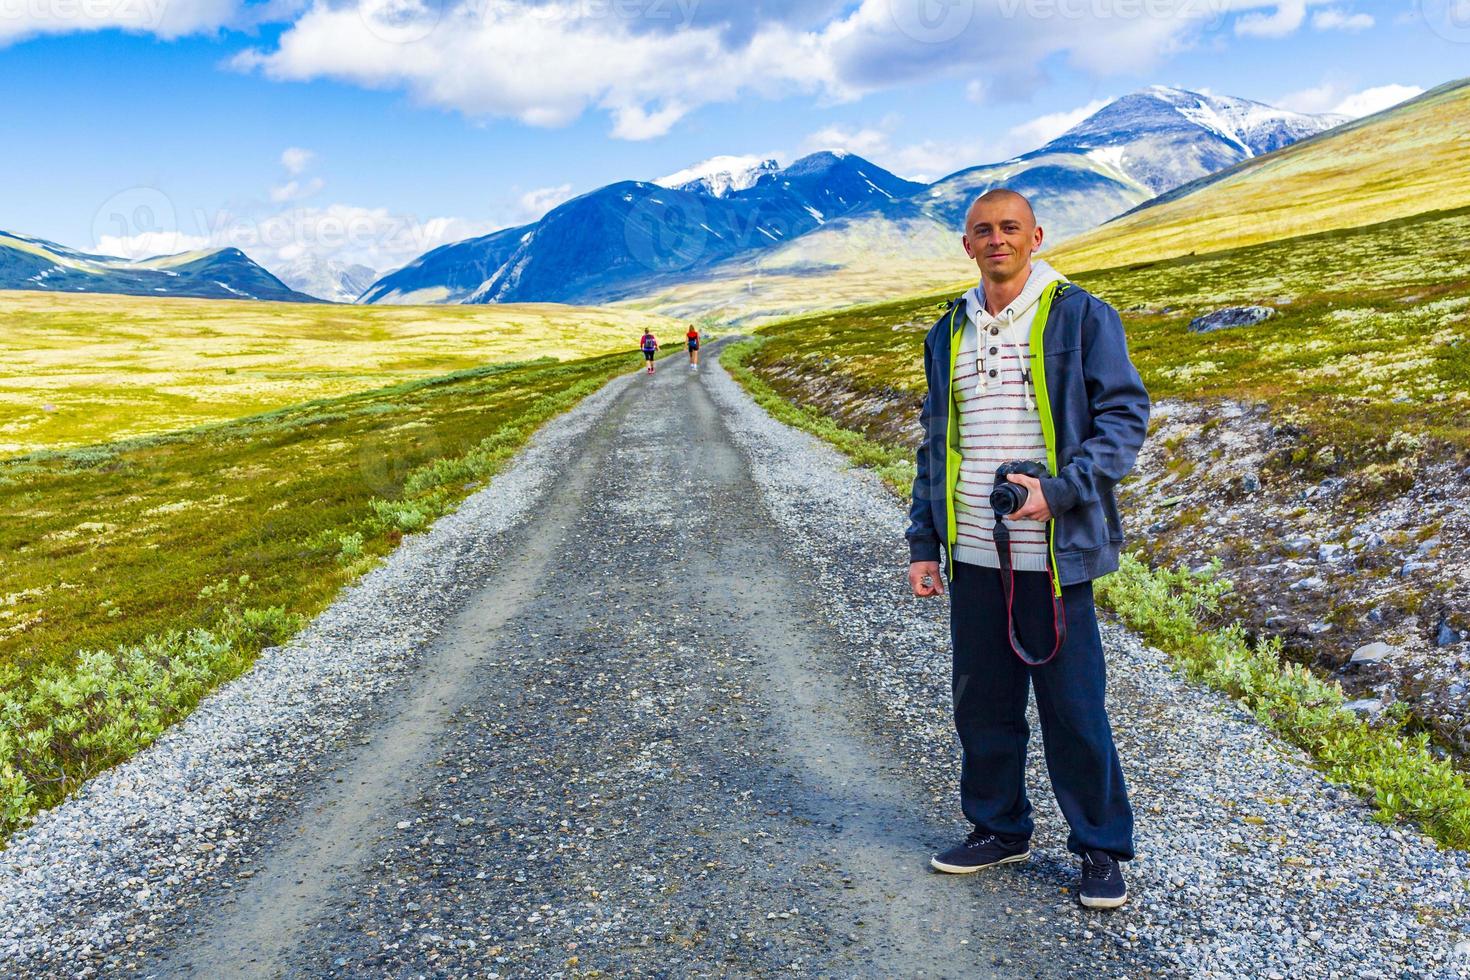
(868, 141)
(535, 203)
(1375, 99)
(149, 243)
(926, 161)
(1333, 96)
(374, 237)
(929, 160)
(544, 65)
(1338, 20)
(1287, 18)
(295, 159)
(1045, 128)
(166, 19)
(647, 64)
(295, 190)
(547, 63)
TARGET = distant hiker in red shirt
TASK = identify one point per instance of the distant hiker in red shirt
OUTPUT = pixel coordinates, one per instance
(693, 337)
(650, 347)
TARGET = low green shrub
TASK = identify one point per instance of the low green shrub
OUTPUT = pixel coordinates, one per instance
(1178, 611)
(66, 722)
(104, 645)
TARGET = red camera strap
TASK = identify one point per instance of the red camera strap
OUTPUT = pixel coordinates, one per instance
(1002, 536)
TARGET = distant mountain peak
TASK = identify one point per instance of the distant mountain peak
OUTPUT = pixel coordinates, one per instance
(324, 278)
(1252, 127)
(721, 176)
(218, 273)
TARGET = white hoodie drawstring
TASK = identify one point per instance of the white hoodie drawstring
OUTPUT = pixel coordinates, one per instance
(1025, 370)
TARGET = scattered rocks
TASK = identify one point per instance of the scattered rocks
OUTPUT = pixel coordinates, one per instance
(1231, 316)
(1407, 560)
(1366, 707)
(1372, 653)
(1447, 635)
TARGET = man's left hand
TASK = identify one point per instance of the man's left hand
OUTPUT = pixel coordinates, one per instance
(1036, 507)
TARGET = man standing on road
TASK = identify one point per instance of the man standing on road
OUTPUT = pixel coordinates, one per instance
(1027, 366)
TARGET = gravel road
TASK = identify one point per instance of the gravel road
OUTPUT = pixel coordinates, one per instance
(654, 703)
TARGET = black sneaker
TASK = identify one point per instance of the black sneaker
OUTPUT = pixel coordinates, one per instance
(1102, 881)
(980, 850)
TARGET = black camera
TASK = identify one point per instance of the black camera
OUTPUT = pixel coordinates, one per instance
(1006, 497)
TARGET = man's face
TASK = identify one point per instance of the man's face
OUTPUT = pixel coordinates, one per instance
(1000, 235)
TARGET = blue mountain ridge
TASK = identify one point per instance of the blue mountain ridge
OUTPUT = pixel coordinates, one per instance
(624, 237)
(632, 237)
(224, 273)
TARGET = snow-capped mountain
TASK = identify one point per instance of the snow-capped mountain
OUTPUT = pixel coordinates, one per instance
(224, 273)
(721, 176)
(628, 236)
(1127, 152)
(829, 210)
(326, 279)
(1163, 137)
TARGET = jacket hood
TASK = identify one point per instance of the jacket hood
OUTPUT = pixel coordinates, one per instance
(1041, 275)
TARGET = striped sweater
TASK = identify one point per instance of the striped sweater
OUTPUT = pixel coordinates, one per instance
(999, 421)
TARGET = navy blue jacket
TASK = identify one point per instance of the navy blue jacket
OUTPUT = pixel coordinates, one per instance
(1099, 412)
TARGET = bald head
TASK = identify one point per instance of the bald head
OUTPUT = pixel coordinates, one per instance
(999, 195)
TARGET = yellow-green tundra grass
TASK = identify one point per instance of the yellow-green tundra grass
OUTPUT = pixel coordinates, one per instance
(87, 368)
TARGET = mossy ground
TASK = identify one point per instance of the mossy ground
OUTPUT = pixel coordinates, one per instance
(224, 538)
(1372, 336)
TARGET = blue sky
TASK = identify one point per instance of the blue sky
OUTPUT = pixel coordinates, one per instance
(371, 130)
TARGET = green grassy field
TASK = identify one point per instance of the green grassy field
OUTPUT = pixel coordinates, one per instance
(1372, 336)
(137, 575)
(87, 368)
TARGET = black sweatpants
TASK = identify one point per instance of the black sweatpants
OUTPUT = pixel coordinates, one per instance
(990, 691)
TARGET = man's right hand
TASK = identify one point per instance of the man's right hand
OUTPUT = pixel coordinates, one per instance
(917, 572)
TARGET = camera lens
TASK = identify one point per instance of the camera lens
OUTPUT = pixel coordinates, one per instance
(1007, 498)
